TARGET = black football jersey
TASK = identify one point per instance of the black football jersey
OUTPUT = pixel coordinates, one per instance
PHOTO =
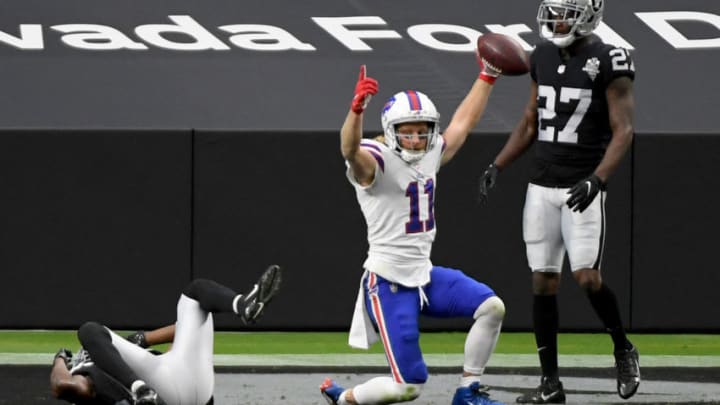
(573, 122)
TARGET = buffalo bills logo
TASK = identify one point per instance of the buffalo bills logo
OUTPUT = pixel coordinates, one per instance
(388, 105)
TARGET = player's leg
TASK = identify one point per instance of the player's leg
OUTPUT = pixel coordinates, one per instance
(124, 361)
(585, 240)
(215, 297)
(191, 356)
(394, 310)
(545, 253)
(453, 294)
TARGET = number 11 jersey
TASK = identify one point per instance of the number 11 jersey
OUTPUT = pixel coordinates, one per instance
(398, 209)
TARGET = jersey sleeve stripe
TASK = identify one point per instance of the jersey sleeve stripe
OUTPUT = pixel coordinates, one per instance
(378, 158)
(370, 145)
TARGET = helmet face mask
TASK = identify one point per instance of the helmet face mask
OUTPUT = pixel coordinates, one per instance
(564, 21)
(410, 107)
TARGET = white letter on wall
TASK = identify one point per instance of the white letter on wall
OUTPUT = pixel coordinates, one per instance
(264, 38)
(335, 26)
(658, 21)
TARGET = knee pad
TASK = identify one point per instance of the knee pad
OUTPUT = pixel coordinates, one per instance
(493, 308)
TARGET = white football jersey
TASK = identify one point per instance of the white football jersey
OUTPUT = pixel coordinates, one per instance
(398, 210)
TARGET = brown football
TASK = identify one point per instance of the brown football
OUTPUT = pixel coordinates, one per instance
(504, 53)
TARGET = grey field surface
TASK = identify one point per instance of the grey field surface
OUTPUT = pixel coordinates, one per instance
(302, 389)
(28, 384)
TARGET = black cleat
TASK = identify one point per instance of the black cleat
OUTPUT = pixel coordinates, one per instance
(548, 392)
(628, 372)
(263, 291)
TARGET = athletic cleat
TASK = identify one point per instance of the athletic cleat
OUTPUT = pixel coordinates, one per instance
(331, 391)
(628, 372)
(143, 394)
(475, 394)
(548, 392)
(262, 292)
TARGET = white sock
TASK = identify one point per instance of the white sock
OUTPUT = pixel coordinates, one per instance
(465, 381)
(341, 399)
(235, 301)
(483, 335)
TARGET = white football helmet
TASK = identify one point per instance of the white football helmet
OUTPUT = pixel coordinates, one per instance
(409, 106)
(582, 16)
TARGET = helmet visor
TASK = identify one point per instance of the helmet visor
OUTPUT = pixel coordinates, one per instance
(559, 19)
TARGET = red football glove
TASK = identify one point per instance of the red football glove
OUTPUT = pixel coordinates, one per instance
(488, 72)
(365, 88)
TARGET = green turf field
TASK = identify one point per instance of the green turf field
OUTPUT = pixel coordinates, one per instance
(331, 342)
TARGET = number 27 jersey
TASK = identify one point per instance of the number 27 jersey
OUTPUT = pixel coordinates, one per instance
(398, 209)
(573, 118)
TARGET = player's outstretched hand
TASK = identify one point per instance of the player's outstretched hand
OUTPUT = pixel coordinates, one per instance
(583, 193)
(488, 72)
(365, 88)
(487, 181)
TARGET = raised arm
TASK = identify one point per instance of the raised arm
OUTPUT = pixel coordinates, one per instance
(469, 111)
(361, 161)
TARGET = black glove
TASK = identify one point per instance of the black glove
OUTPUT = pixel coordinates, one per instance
(64, 354)
(138, 338)
(487, 181)
(583, 193)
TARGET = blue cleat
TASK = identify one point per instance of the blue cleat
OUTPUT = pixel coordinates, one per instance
(331, 391)
(475, 394)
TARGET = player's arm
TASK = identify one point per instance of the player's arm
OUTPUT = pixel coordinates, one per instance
(63, 385)
(466, 117)
(162, 335)
(145, 339)
(621, 110)
(524, 133)
(468, 113)
(360, 160)
(522, 136)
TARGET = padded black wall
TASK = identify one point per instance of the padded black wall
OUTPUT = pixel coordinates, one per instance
(95, 225)
(279, 198)
(109, 225)
(675, 225)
